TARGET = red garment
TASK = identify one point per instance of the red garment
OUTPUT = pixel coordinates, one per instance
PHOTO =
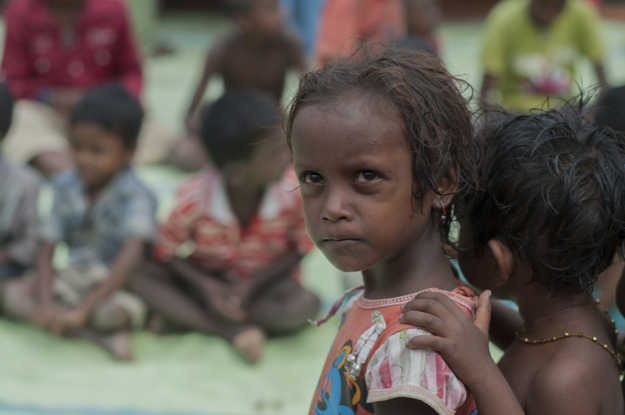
(101, 49)
(403, 373)
(347, 23)
(203, 216)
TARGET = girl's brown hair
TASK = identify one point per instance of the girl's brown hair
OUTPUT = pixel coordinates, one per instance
(437, 122)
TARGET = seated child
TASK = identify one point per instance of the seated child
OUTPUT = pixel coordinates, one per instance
(19, 220)
(422, 17)
(382, 146)
(247, 231)
(547, 223)
(106, 217)
(255, 57)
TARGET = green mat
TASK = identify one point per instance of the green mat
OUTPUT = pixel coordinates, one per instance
(178, 374)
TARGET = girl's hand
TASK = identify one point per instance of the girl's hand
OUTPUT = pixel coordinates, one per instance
(460, 342)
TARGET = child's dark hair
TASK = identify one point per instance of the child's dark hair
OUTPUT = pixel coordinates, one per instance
(553, 191)
(610, 109)
(436, 121)
(6, 110)
(236, 121)
(113, 109)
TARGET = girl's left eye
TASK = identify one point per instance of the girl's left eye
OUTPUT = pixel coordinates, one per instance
(367, 176)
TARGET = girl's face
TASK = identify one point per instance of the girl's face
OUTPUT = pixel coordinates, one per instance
(355, 172)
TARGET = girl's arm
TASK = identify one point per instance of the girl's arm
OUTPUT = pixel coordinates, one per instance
(213, 61)
(464, 346)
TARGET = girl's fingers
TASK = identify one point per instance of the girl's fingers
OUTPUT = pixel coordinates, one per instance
(434, 303)
(427, 321)
(482, 315)
(435, 343)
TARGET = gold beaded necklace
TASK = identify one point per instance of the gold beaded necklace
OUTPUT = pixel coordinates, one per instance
(616, 356)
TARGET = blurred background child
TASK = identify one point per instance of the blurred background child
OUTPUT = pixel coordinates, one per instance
(19, 221)
(245, 222)
(422, 18)
(54, 51)
(609, 111)
(532, 50)
(106, 217)
(255, 57)
(345, 24)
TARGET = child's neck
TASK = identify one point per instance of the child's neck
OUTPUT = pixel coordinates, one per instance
(545, 315)
(255, 41)
(420, 266)
(244, 202)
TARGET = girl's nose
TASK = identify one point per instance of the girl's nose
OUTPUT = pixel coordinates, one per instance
(334, 207)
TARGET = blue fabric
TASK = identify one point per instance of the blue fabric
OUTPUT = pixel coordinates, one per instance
(303, 18)
(125, 208)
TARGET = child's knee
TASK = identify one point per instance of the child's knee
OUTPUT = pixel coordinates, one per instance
(17, 298)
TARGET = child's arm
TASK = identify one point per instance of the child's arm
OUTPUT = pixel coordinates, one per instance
(279, 269)
(23, 248)
(401, 406)
(211, 67)
(464, 347)
(45, 273)
(504, 323)
(126, 262)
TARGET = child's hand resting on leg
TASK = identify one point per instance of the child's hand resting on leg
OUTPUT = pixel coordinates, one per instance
(69, 321)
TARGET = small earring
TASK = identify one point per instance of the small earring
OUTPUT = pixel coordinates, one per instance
(443, 212)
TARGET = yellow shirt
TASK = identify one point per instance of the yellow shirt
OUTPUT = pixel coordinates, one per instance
(532, 63)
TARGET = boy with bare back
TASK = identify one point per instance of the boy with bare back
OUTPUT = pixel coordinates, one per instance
(245, 225)
(255, 57)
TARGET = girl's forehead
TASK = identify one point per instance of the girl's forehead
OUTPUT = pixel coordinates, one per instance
(344, 116)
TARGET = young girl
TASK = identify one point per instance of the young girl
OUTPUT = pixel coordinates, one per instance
(548, 222)
(382, 145)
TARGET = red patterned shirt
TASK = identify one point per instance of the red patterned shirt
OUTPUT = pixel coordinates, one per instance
(39, 55)
(204, 218)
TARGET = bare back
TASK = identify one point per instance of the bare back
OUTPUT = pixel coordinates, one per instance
(243, 66)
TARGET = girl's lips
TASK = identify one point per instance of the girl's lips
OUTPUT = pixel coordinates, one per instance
(342, 242)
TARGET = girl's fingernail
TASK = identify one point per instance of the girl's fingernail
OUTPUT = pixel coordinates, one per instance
(489, 293)
(407, 343)
(402, 307)
(400, 316)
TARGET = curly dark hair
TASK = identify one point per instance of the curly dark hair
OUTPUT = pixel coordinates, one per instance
(553, 189)
(437, 122)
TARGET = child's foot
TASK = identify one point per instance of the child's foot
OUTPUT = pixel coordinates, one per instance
(250, 343)
(158, 325)
(119, 345)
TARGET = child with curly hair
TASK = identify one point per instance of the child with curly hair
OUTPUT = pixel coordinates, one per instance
(548, 219)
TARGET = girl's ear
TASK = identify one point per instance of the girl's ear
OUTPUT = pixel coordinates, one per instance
(504, 259)
(447, 186)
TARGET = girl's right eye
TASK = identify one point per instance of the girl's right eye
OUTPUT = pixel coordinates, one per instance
(311, 177)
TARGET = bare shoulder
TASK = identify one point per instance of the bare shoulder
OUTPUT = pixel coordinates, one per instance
(580, 378)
